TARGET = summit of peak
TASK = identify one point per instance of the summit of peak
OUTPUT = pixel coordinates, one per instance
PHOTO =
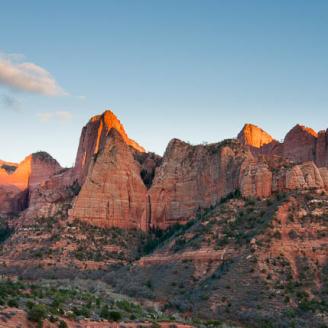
(300, 127)
(254, 136)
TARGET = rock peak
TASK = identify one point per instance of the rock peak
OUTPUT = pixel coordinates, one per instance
(108, 120)
(93, 139)
(254, 136)
(304, 128)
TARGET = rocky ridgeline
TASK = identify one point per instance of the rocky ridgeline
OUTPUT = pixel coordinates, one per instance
(301, 144)
(124, 186)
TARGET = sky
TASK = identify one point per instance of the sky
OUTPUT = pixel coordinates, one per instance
(194, 70)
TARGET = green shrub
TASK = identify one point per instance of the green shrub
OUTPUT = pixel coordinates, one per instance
(115, 316)
(12, 302)
(37, 313)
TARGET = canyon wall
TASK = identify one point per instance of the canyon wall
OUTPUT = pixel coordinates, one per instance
(113, 194)
(115, 183)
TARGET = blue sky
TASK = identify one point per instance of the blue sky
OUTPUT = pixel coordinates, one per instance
(195, 70)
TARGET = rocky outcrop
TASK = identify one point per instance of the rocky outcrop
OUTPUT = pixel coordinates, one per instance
(300, 144)
(304, 176)
(322, 149)
(256, 180)
(191, 178)
(113, 194)
(53, 196)
(93, 139)
(254, 136)
(16, 185)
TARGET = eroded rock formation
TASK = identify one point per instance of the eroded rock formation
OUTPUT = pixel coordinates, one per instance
(15, 184)
(192, 178)
(124, 186)
(113, 194)
(254, 136)
(93, 139)
(300, 144)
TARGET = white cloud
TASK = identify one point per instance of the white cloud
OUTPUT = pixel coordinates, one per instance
(29, 77)
(59, 116)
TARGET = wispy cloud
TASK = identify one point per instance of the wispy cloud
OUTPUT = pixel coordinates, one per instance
(29, 77)
(59, 116)
(10, 102)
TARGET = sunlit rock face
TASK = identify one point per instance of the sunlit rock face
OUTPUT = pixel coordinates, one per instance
(254, 136)
(113, 194)
(9, 167)
(17, 183)
(93, 139)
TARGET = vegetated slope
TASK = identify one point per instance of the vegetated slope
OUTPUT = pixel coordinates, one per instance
(258, 263)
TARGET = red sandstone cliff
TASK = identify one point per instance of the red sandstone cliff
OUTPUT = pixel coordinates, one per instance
(191, 178)
(93, 139)
(124, 186)
(301, 144)
(15, 184)
(113, 194)
(254, 136)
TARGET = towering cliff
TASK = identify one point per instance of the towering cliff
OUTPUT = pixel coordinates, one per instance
(113, 194)
(93, 139)
(192, 178)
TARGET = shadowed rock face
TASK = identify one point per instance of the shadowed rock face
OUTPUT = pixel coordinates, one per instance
(193, 177)
(300, 144)
(93, 139)
(322, 149)
(113, 194)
